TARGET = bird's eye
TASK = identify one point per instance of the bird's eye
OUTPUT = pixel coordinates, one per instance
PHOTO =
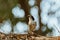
(32, 17)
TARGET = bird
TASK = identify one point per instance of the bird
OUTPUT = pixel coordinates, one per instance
(31, 23)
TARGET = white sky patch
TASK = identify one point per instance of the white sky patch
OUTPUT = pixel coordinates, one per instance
(57, 14)
(44, 6)
(55, 7)
(52, 20)
(18, 12)
(43, 28)
(55, 32)
(6, 27)
(34, 13)
(44, 18)
(44, 13)
(31, 2)
(21, 28)
(50, 1)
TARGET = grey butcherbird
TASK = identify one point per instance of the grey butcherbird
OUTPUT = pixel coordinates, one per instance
(31, 23)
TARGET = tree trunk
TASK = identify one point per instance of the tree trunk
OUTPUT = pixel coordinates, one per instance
(25, 7)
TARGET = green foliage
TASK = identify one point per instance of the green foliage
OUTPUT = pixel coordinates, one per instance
(6, 10)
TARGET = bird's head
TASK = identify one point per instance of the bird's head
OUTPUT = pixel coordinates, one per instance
(29, 16)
